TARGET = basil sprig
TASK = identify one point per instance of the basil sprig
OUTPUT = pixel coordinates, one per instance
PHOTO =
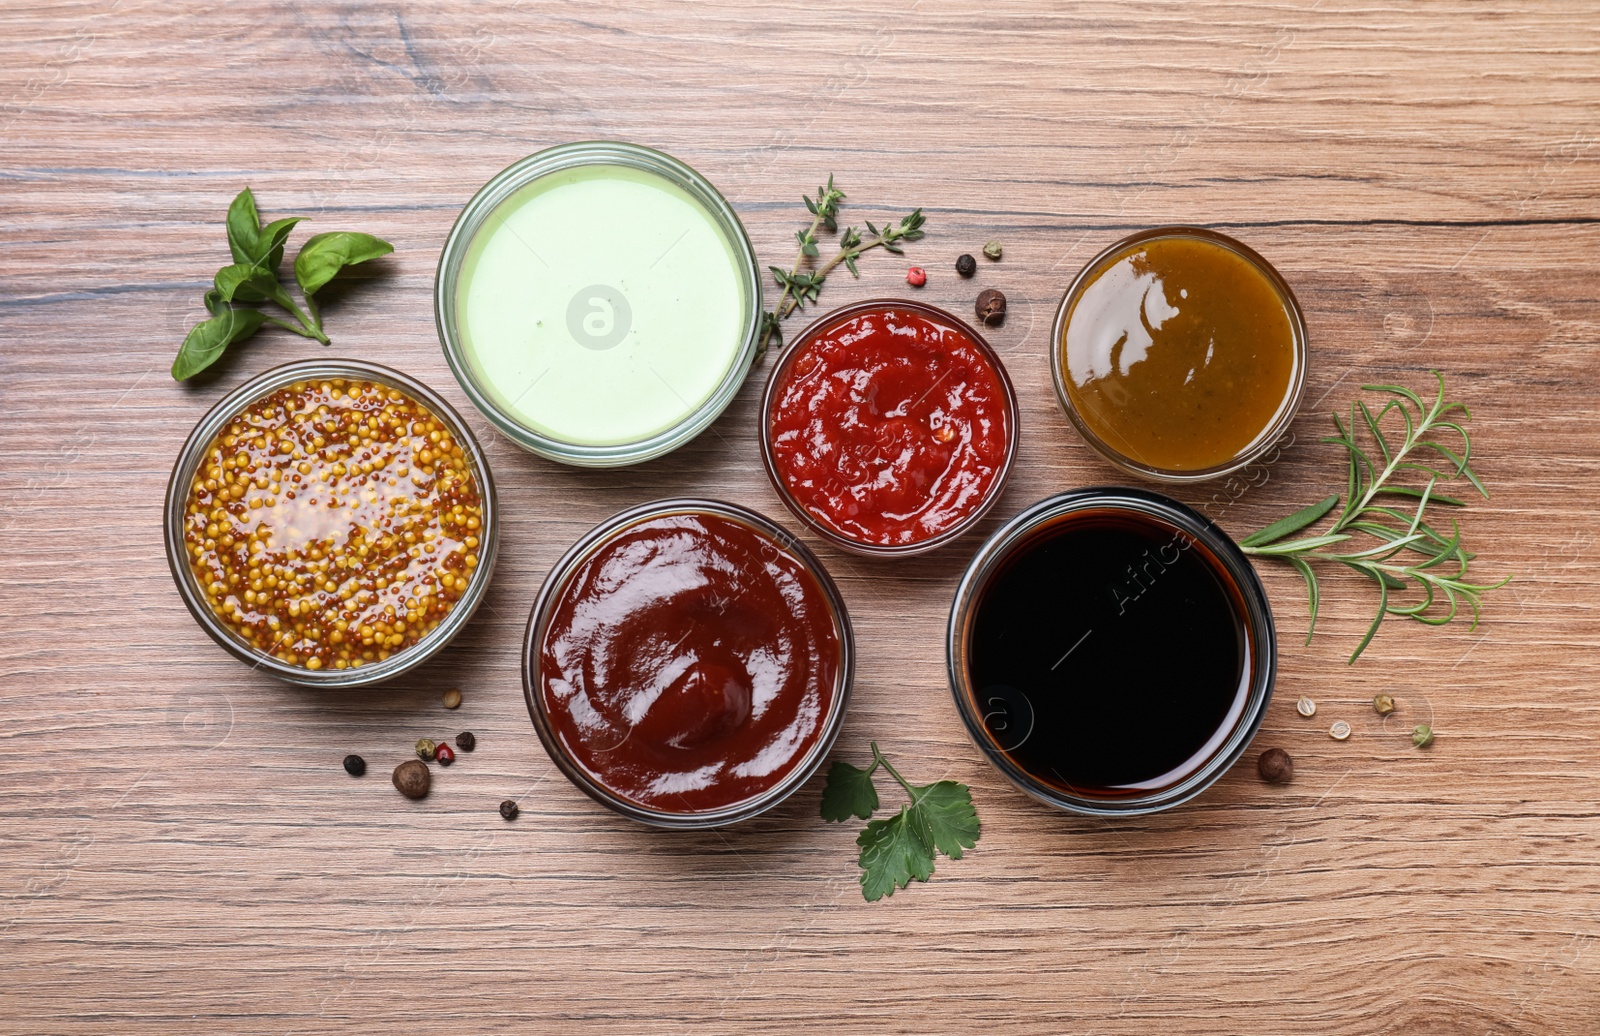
(252, 280)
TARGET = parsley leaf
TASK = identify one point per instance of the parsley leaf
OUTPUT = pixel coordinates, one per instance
(848, 793)
(952, 821)
(894, 852)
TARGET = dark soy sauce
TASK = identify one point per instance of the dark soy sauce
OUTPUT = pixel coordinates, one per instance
(1109, 654)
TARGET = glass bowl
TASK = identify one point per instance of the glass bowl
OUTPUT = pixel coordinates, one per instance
(1287, 407)
(551, 593)
(622, 301)
(188, 463)
(994, 716)
(780, 370)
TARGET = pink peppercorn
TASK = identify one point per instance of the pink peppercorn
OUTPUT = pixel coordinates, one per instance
(444, 754)
(916, 276)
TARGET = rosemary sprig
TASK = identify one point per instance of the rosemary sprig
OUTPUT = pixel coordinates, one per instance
(1409, 553)
(800, 287)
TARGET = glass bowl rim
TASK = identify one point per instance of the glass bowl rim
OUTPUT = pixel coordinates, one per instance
(555, 583)
(1288, 407)
(519, 174)
(781, 365)
(188, 463)
(1258, 620)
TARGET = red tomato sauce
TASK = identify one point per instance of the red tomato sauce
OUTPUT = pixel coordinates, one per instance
(690, 663)
(890, 426)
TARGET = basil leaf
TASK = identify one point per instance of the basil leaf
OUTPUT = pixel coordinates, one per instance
(206, 341)
(214, 303)
(244, 282)
(324, 255)
(244, 227)
(273, 235)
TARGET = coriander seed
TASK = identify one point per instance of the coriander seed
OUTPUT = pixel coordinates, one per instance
(466, 741)
(354, 765)
(1305, 706)
(426, 749)
(1339, 731)
(1422, 735)
(452, 699)
(1275, 766)
(966, 266)
(993, 249)
(1383, 704)
(508, 810)
(413, 779)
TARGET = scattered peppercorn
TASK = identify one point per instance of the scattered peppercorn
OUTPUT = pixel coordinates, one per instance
(1422, 735)
(1305, 706)
(452, 699)
(354, 765)
(425, 750)
(966, 266)
(466, 741)
(444, 754)
(508, 810)
(1340, 730)
(993, 249)
(1275, 766)
(916, 276)
(413, 779)
(1383, 704)
(991, 307)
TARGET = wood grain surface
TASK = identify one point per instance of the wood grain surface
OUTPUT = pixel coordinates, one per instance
(183, 853)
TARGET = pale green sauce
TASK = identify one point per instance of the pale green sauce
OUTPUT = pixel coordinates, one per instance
(600, 305)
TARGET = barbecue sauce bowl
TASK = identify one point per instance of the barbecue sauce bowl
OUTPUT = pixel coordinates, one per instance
(688, 663)
(1111, 651)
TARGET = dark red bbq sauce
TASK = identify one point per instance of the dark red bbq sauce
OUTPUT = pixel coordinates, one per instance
(890, 426)
(689, 663)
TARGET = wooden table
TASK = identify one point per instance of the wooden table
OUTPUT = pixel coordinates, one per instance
(182, 851)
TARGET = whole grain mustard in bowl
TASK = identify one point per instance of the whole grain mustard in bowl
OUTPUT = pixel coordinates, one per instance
(331, 523)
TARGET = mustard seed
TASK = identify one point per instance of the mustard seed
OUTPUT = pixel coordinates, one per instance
(452, 699)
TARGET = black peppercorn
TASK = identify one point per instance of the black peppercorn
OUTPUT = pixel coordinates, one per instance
(966, 266)
(508, 810)
(354, 765)
(465, 741)
(991, 307)
(413, 779)
(1275, 766)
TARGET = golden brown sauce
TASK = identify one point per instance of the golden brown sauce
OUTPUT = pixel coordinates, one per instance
(333, 523)
(1179, 353)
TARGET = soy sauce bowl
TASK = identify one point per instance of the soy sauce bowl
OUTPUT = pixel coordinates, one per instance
(1111, 651)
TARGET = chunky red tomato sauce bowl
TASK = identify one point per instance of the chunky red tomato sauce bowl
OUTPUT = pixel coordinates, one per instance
(688, 663)
(889, 427)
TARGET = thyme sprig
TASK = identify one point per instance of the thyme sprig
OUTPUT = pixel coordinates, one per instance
(803, 286)
(1409, 553)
